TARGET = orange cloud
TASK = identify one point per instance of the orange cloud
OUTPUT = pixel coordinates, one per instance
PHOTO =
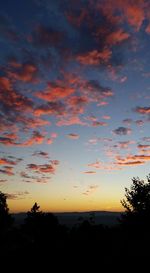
(95, 57)
(26, 72)
(51, 108)
(130, 160)
(143, 110)
(5, 83)
(54, 91)
(7, 161)
(134, 14)
(7, 141)
(117, 36)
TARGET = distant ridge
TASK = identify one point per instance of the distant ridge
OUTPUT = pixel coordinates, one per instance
(108, 218)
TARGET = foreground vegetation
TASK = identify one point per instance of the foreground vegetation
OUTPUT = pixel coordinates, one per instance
(41, 237)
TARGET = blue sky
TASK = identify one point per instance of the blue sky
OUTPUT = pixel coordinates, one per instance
(74, 92)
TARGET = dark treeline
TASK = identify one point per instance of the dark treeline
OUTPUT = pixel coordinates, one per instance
(42, 238)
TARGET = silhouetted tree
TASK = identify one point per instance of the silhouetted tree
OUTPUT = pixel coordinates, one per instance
(137, 204)
(41, 227)
(5, 217)
(33, 220)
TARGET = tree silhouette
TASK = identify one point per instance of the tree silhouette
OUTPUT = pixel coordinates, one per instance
(33, 219)
(35, 208)
(5, 217)
(137, 204)
(40, 226)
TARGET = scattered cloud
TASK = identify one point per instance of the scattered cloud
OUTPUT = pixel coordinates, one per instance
(122, 131)
(73, 136)
(89, 172)
(17, 195)
(3, 180)
(97, 165)
(91, 189)
(49, 168)
(143, 110)
(7, 170)
(41, 153)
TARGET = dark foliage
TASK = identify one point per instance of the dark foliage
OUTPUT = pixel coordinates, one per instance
(42, 240)
(137, 205)
(5, 217)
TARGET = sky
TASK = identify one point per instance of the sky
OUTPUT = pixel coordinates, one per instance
(74, 102)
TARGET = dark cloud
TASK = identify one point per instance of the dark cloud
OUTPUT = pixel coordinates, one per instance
(7, 170)
(122, 131)
(4, 161)
(17, 195)
(41, 153)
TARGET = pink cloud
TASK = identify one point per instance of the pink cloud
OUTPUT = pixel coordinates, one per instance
(70, 121)
(117, 36)
(54, 135)
(36, 139)
(26, 72)
(95, 57)
(54, 91)
(44, 168)
(97, 165)
(139, 122)
(106, 117)
(134, 14)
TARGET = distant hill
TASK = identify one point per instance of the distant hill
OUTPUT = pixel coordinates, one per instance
(72, 218)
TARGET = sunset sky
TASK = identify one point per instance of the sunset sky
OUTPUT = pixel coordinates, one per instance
(75, 102)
